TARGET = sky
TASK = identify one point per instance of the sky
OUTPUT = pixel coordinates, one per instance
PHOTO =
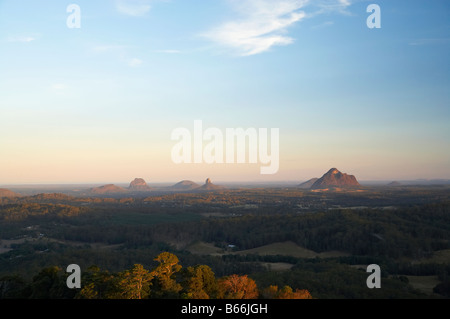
(93, 95)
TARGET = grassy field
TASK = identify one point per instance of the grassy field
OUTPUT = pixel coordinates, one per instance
(286, 249)
(290, 249)
(424, 283)
(202, 248)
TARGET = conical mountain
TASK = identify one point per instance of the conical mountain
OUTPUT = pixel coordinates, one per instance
(334, 178)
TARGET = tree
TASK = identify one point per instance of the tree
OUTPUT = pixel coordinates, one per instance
(98, 284)
(88, 292)
(135, 283)
(50, 283)
(272, 292)
(13, 287)
(200, 283)
(166, 285)
(237, 287)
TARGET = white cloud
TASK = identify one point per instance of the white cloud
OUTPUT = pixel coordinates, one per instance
(60, 89)
(121, 53)
(264, 23)
(135, 8)
(323, 25)
(168, 51)
(135, 62)
(23, 39)
(332, 6)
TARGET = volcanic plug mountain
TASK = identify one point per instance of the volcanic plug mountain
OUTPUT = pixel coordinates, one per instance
(209, 186)
(139, 185)
(334, 178)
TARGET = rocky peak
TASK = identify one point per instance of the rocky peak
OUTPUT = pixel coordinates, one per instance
(334, 171)
(139, 184)
(334, 178)
(209, 186)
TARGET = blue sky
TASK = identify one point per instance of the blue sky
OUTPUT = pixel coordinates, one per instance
(99, 103)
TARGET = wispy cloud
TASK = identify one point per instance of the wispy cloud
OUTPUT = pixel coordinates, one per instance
(135, 8)
(323, 25)
(135, 62)
(59, 89)
(168, 51)
(326, 6)
(23, 39)
(121, 53)
(264, 24)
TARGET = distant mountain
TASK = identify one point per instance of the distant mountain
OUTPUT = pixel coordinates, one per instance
(53, 197)
(7, 193)
(185, 186)
(139, 185)
(209, 186)
(334, 178)
(308, 184)
(395, 183)
(108, 189)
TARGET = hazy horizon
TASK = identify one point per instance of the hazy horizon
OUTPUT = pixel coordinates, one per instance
(98, 103)
(162, 183)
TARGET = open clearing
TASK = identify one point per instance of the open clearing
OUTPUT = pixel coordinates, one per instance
(286, 249)
(202, 248)
(289, 249)
(424, 283)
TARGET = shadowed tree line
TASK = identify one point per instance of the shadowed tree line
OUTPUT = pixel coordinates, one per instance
(168, 280)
